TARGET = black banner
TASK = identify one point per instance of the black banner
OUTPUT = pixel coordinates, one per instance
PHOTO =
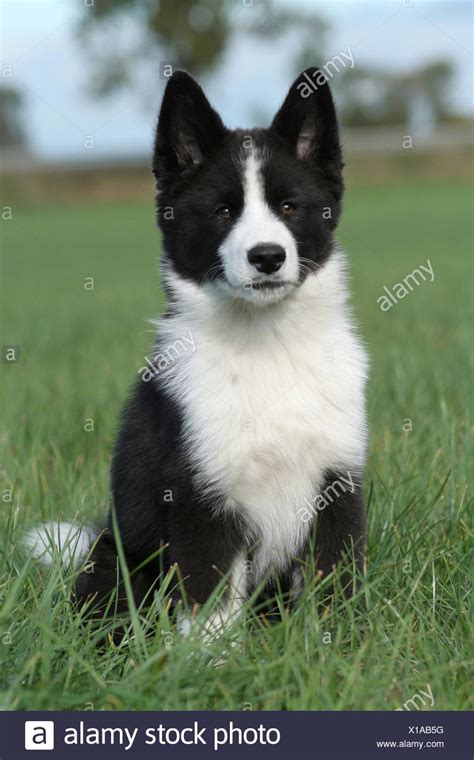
(325, 735)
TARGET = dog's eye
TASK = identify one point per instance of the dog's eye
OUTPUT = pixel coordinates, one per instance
(287, 208)
(223, 212)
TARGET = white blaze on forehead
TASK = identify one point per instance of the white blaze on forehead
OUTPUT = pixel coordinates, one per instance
(254, 194)
(257, 224)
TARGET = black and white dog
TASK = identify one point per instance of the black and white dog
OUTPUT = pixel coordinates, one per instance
(242, 449)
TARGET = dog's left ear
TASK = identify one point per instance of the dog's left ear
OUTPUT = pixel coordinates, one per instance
(188, 128)
(307, 120)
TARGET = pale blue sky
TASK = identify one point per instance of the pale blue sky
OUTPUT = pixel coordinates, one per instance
(47, 61)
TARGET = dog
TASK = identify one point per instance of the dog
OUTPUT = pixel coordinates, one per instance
(233, 438)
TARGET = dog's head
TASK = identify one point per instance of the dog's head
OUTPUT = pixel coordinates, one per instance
(250, 212)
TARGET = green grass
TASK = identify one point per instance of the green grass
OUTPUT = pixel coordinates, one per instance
(81, 349)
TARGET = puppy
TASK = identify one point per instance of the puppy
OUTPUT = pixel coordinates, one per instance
(241, 449)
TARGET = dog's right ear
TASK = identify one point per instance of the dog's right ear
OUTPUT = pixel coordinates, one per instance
(307, 119)
(188, 128)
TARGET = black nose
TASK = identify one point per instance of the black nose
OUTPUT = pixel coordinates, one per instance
(267, 257)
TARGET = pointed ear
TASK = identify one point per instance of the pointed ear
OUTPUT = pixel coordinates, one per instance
(188, 128)
(307, 120)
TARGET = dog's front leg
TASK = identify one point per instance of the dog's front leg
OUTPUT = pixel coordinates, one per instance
(208, 549)
(340, 527)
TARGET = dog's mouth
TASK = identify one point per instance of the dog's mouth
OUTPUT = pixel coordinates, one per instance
(268, 284)
(260, 291)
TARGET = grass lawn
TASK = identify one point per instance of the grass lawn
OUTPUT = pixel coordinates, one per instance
(80, 349)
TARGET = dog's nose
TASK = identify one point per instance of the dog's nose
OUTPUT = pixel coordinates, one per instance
(267, 257)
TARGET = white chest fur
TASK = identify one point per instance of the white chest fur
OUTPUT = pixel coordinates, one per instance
(273, 397)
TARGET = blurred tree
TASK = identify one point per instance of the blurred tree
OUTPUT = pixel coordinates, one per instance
(12, 134)
(193, 34)
(125, 37)
(376, 97)
(433, 81)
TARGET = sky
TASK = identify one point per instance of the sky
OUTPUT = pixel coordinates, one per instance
(46, 60)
